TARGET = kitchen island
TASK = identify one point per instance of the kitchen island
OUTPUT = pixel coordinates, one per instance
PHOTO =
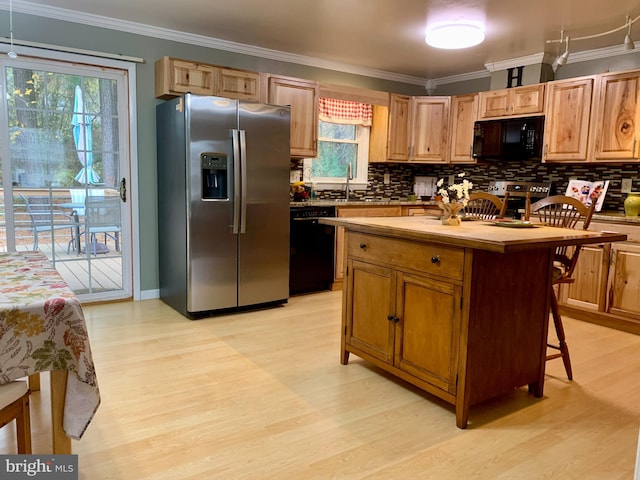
(459, 311)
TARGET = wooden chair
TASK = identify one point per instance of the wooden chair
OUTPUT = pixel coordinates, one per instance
(485, 206)
(565, 212)
(14, 405)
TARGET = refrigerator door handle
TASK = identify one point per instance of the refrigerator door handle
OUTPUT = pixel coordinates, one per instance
(235, 140)
(243, 180)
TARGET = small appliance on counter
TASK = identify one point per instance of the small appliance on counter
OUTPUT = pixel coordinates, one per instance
(424, 187)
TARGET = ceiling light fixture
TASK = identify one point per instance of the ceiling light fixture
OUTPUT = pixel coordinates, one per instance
(562, 59)
(11, 53)
(628, 43)
(455, 34)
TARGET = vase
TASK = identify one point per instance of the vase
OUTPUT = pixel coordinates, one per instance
(632, 204)
(451, 220)
(450, 212)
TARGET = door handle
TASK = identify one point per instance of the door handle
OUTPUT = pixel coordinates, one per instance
(123, 190)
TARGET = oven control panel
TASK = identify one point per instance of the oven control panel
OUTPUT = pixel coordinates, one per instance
(520, 189)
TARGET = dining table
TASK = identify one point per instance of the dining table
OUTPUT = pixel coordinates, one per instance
(43, 328)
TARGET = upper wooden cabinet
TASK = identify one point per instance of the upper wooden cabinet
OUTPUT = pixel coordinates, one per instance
(616, 128)
(567, 119)
(378, 134)
(175, 77)
(464, 113)
(232, 83)
(527, 100)
(302, 96)
(398, 135)
(418, 128)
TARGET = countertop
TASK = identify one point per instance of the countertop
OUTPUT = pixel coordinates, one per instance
(361, 203)
(480, 235)
(605, 216)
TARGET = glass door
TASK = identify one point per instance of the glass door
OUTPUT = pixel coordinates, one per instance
(65, 165)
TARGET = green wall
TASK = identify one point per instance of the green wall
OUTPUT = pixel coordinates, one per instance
(37, 29)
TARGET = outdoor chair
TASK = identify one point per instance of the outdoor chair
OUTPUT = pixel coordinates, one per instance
(45, 217)
(102, 215)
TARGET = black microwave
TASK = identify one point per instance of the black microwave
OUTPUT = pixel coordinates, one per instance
(508, 139)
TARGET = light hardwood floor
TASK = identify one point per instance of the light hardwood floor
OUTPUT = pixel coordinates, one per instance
(262, 395)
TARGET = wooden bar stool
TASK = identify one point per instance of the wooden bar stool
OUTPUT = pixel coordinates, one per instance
(565, 212)
(14, 405)
(485, 206)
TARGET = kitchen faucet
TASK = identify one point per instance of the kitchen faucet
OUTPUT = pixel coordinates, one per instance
(349, 177)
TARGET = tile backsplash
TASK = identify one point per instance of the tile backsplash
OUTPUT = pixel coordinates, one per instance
(402, 177)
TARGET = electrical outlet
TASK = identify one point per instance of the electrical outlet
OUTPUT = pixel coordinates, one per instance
(627, 184)
(294, 176)
(387, 178)
(452, 179)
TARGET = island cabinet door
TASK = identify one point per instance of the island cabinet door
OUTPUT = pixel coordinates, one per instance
(428, 329)
(370, 309)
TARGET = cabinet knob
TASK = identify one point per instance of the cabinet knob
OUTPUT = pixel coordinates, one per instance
(363, 245)
(389, 317)
(435, 259)
(393, 318)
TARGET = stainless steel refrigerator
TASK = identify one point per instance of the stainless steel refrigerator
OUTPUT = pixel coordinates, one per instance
(223, 204)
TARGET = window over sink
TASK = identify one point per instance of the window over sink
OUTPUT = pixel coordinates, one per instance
(343, 146)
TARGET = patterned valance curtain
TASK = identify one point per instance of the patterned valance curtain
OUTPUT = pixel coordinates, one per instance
(343, 111)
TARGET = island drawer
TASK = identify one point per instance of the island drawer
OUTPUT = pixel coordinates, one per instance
(432, 259)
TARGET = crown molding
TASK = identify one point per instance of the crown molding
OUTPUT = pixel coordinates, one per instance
(536, 58)
(251, 50)
(202, 41)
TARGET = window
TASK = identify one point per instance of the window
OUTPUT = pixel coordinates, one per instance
(343, 142)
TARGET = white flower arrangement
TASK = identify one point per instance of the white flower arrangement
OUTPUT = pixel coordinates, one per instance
(455, 196)
(458, 192)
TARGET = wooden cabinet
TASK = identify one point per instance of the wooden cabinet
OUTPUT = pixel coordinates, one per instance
(399, 127)
(232, 83)
(378, 134)
(405, 320)
(425, 312)
(527, 100)
(567, 119)
(349, 212)
(173, 77)
(624, 281)
(302, 96)
(418, 128)
(616, 129)
(429, 129)
(589, 289)
(464, 113)
(607, 282)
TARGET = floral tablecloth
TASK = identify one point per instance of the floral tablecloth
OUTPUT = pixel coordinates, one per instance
(42, 328)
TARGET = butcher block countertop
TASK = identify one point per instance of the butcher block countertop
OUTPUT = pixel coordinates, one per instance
(480, 235)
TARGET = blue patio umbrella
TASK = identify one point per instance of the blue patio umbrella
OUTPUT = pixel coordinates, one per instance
(81, 123)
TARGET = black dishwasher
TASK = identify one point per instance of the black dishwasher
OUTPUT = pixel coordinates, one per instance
(312, 249)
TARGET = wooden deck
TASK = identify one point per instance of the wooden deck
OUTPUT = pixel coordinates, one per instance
(85, 274)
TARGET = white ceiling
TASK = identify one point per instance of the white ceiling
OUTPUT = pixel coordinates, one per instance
(384, 35)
